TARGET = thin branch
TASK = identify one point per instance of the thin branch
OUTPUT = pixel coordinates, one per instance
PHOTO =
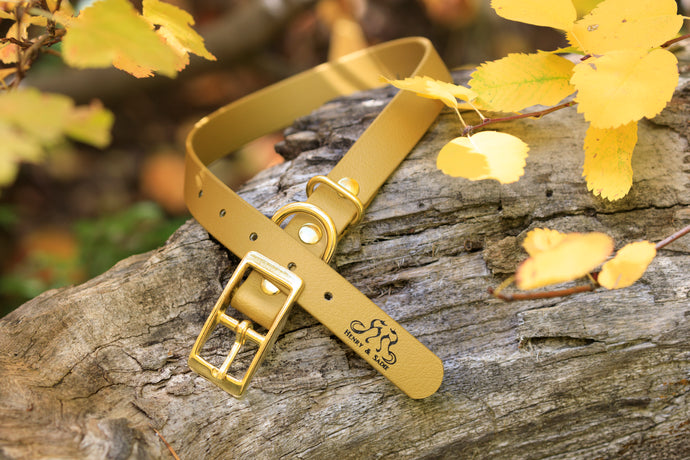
(537, 114)
(672, 238)
(14, 41)
(575, 290)
(18, 15)
(167, 444)
(542, 295)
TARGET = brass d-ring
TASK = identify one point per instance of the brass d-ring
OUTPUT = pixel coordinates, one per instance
(342, 191)
(320, 215)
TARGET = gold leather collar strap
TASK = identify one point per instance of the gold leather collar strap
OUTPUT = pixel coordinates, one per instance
(284, 259)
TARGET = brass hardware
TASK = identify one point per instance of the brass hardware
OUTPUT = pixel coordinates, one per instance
(269, 288)
(342, 191)
(275, 279)
(350, 185)
(310, 233)
(320, 215)
(291, 285)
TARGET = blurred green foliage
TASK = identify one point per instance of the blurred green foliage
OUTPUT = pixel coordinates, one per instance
(140, 228)
(101, 243)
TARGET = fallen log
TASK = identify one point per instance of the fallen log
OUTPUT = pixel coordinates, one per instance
(100, 370)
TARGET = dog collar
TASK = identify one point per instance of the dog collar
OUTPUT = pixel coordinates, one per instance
(285, 259)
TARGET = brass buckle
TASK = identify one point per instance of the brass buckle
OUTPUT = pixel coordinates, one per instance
(291, 285)
(275, 278)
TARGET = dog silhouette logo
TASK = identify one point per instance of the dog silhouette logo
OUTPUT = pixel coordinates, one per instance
(379, 335)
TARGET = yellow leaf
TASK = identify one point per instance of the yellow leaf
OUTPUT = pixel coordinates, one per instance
(9, 166)
(18, 146)
(624, 86)
(49, 117)
(585, 6)
(485, 155)
(174, 24)
(4, 73)
(9, 52)
(19, 31)
(64, 6)
(52, 4)
(627, 266)
(30, 121)
(40, 115)
(608, 155)
(559, 14)
(541, 239)
(90, 124)
(428, 87)
(625, 24)
(522, 80)
(575, 255)
(29, 19)
(112, 32)
(15, 148)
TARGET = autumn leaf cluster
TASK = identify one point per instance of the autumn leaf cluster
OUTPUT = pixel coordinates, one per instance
(556, 257)
(623, 75)
(107, 33)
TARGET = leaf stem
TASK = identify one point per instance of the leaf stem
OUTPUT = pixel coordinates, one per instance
(675, 40)
(537, 114)
(462, 120)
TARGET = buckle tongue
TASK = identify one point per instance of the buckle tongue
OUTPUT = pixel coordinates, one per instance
(280, 277)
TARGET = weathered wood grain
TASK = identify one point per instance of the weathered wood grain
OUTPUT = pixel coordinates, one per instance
(90, 371)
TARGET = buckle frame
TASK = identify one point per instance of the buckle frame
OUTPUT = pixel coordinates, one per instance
(280, 276)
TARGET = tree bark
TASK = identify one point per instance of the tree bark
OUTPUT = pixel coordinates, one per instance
(98, 370)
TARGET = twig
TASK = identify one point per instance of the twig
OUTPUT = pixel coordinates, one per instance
(14, 41)
(575, 290)
(542, 295)
(167, 444)
(672, 238)
(537, 114)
